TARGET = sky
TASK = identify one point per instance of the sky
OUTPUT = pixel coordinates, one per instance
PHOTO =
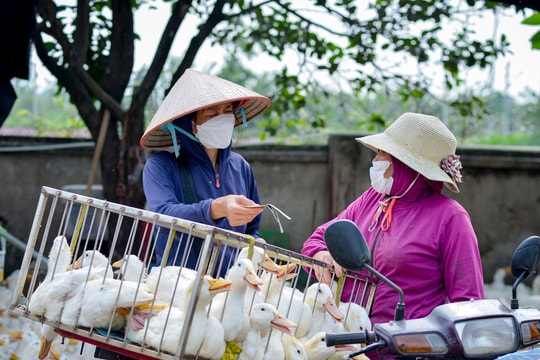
(513, 72)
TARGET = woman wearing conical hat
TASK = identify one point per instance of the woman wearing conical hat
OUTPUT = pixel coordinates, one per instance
(202, 179)
(421, 239)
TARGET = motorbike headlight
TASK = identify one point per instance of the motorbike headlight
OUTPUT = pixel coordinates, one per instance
(530, 332)
(421, 343)
(488, 336)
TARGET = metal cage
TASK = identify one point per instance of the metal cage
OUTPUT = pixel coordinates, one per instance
(115, 230)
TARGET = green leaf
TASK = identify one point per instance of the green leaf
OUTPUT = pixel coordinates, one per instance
(532, 20)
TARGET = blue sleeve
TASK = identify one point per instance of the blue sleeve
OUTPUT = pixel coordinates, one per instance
(252, 228)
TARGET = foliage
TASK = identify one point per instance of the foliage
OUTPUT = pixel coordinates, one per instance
(88, 46)
(534, 20)
(504, 120)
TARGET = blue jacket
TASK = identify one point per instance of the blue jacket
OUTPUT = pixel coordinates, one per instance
(164, 193)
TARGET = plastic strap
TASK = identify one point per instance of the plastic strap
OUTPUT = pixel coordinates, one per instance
(170, 127)
(188, 184)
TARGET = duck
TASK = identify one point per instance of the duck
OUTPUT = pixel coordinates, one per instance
(59, 259)
(130, 267)
(229, 307)
(162, 330)
(260, 259)
(262, 318)
(169, 283)
(325, 313)
(46, 299)
(94, 259)
(292, 347)
(27, 344)
(533, 299)
(356, 317)
(96, 303)
(271, 346)
(317, 349)
(289, 301)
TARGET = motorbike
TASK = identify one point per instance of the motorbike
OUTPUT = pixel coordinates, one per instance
(475, 329)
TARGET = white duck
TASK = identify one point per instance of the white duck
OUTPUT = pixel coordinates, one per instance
(169, 283)
(260, 260)
(532, 300)
(271, 347)
(289, 301)
(498, 289)
(261, 263)
(229, 307)
(263, 317)
(46, 300)
(317, 349)
(356, 317)
(58, 261)
(326, 315)
(96, 301)
(131, 268)
(162, 330)
(293, 348)
(93, 259)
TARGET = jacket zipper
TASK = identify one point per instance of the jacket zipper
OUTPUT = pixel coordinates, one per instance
(374, 246)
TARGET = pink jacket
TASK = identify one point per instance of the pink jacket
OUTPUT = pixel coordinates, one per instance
(430, 249)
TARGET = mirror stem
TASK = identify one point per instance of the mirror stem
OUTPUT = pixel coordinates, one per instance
(514, 302)
(400, 307)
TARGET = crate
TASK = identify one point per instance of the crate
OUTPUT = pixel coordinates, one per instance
(91, 224)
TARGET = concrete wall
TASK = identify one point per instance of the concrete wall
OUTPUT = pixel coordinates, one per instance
(311, 184)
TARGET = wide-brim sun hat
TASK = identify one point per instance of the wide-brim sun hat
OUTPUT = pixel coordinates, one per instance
(419, 141)
(194, 91)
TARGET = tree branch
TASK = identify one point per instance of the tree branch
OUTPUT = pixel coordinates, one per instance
(82, 29)
(148, 83)
(196, 42)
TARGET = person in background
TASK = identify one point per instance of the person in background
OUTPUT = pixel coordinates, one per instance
(419, 238)
(202, 179)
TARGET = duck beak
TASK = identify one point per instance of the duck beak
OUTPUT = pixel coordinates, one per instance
(56, 355)
(286, 272)
(332, 309)
(124, 311)
(15, 335)
(219, 285)
(270, 266)
(44, 348)
(117, 264)
(76, 265)
(252, 280)
(281, 323)
(347, 347)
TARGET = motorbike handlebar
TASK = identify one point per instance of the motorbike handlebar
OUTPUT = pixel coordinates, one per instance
(365, 337)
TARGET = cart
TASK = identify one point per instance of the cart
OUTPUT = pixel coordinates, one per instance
(91, 224)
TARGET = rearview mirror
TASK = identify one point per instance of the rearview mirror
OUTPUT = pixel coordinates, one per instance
(347, 246)
(526, 257)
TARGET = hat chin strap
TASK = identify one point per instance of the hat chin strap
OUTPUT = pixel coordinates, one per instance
(386, 206)
(170, 127)
(243, 113)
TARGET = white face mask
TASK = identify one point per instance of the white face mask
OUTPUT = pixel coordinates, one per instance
(379, 183)
(216, 133)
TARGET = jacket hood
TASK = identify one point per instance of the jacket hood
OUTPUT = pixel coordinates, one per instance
(404, 176)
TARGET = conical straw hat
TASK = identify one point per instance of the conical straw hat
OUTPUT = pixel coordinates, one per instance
(420, 142)
(195, 91)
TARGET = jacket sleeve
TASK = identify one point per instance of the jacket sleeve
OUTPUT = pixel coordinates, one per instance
(462, 266)
(252, 228)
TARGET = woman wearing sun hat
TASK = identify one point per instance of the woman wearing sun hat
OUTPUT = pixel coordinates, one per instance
(420, 239)
(202, 179)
